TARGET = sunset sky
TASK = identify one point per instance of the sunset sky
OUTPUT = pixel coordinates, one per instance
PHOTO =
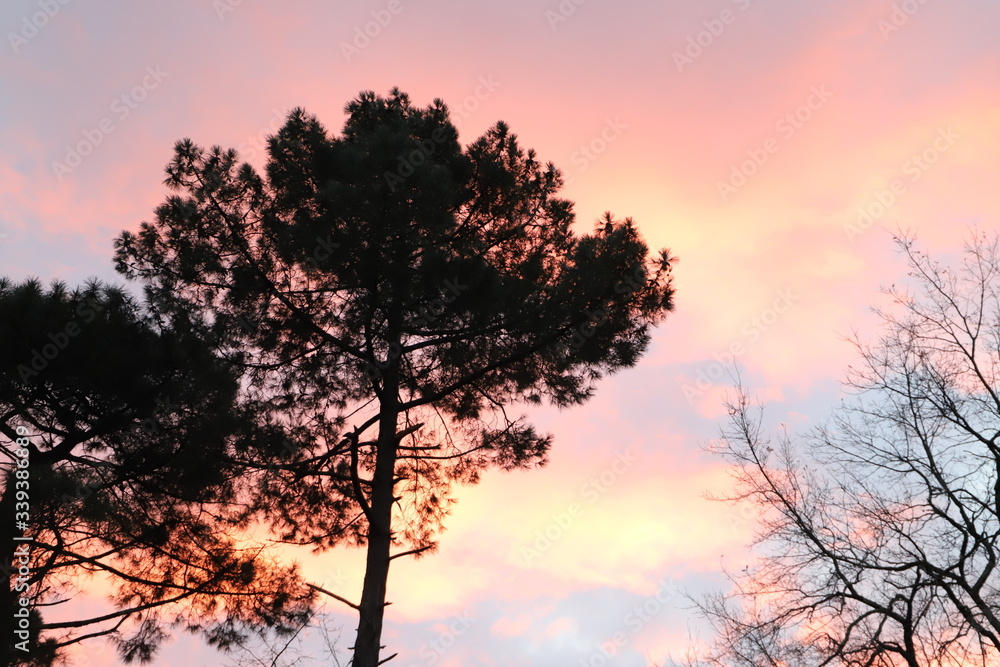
(773, 146)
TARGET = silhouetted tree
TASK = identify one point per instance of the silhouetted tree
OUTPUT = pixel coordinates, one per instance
(881, 536)
(119, 432)
(395, 296)
(316, 641)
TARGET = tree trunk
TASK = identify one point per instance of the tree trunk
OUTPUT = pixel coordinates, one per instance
(372, 607)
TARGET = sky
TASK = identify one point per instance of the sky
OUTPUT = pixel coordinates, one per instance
(774, 146)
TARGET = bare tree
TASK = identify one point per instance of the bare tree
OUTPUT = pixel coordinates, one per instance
(879, 535)
(314, 641)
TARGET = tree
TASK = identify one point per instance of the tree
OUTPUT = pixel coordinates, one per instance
(315, 642)
(882, 532)
(394, 296)
(120, 429)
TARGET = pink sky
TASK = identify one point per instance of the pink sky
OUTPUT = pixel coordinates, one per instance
(823, 109)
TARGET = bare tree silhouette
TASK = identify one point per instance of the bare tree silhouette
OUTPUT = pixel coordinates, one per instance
(880, 533)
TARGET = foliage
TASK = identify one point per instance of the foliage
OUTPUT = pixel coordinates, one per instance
(392, 297)
(129, 426)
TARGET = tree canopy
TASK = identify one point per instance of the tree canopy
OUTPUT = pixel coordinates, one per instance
(125, 424)
(393, 298)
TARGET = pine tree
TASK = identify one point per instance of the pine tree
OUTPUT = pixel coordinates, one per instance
(395, 296)
(122, 434)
